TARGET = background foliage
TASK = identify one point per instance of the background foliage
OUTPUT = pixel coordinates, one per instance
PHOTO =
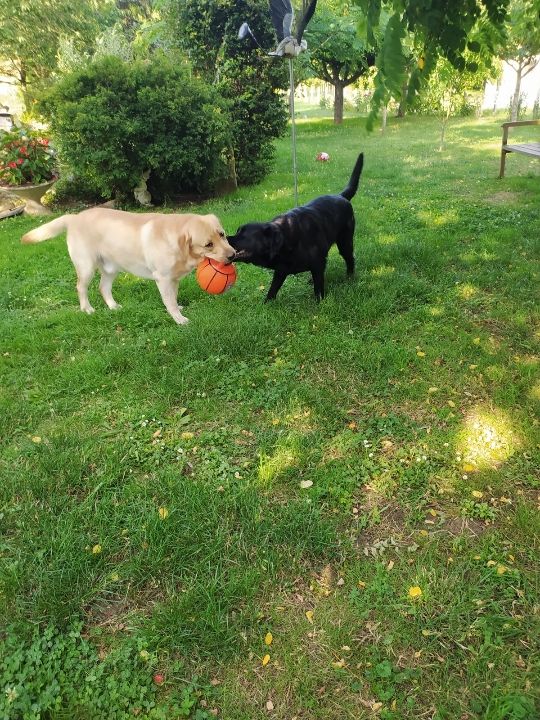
(243, 74)
(114, 120)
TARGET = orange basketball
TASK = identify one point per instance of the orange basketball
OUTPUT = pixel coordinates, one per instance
(215, 277)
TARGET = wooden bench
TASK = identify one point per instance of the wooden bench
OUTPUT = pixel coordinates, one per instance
(530, 148)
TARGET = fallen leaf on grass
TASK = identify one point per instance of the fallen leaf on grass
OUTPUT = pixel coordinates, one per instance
(268, 638)
(269, 705)
(309, 615)
(163, 513)
(304, 484)
(265, 660)
(96, 549)
(36, 439)
(477, 494)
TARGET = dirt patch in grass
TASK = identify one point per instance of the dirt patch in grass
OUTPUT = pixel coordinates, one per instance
(465, 526)
(503, 197)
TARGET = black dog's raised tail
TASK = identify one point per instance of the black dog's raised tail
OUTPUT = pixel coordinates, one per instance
(352, 187)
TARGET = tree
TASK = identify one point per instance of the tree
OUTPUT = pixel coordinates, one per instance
(207, 31)
(440, 29)
(336, 54)
(446, 91)
(31, 31)
(522, 45)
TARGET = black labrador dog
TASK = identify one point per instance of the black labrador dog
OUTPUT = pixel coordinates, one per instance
(299, 240)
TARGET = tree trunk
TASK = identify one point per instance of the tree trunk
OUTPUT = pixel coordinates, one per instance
(517, 93)
(338, 103)
(497, 88)
(444, 123)
(384, 117)
(403, 101)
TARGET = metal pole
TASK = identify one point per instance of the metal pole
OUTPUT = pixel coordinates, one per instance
(293, 132)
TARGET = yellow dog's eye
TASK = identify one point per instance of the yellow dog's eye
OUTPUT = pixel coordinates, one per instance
(210, 244)
(221, 234)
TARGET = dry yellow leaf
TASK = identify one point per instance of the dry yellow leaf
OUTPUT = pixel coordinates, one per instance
(96, 549)
(269, 705)
(268, 638)
(477, 494)
(36, 439)
(423, 533)
(338, 664)
(390, 565)
(501, 569)
(433, 389)
(491, 563)
(451, 403)
(415, 592)
(265, 660)
(432, 512)
(421, 354)
(361, 584)
(186, 435)
(309, 615)
(163, 513)
(421, 63)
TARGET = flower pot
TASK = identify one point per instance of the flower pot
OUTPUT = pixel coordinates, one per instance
(30, 192)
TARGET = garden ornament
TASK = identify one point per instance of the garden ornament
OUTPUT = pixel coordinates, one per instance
(289, 46)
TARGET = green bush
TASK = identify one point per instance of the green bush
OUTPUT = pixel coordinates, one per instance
(250, 81)
(113, 120)
(258, 116)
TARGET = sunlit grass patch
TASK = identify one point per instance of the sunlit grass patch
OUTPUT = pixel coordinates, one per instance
(488, 438)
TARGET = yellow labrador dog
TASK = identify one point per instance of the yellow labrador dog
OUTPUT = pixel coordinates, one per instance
(163, 248)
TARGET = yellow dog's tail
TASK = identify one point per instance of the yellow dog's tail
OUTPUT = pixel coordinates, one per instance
(47, 231)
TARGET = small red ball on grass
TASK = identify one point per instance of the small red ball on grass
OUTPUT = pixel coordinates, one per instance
(215, 277)
(159, 679)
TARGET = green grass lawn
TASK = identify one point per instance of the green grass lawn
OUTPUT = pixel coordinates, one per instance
(358, 478)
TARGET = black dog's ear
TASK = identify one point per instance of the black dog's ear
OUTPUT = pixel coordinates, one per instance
(274, 238)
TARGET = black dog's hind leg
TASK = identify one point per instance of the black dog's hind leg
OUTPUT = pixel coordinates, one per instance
(346, 247)
(275, 285)
(318, 281)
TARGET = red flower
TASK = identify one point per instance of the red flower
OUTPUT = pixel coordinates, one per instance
(44, 141)
(159, 679)
(12, 164)
(20, 161)
(23, 150)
